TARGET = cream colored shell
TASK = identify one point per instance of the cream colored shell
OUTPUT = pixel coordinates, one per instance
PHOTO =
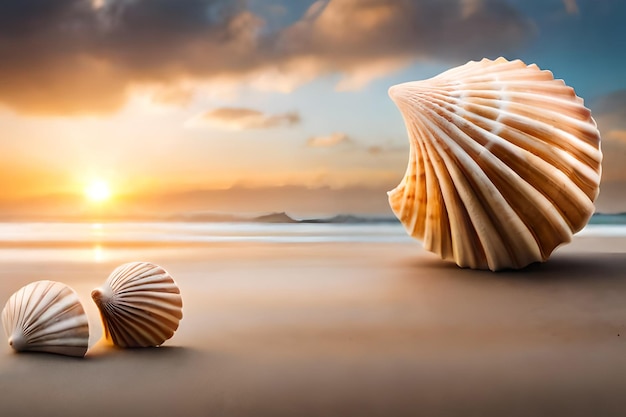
(504, 163)
(46, 316)
(140, 305)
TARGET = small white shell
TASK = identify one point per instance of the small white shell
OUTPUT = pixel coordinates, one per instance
(504, 165)
(46, 316)
(140, 305)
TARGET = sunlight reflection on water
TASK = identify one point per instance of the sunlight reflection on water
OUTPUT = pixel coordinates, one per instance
(98, 254)
(107, 242)
(99, 233)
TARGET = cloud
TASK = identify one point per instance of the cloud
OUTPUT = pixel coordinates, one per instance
(173, 96)
(610, 115)
(611, 119)
(610, 110)
(350, 29)
(364, 39)
(70, 57)
(619, 135)
(388, 149)
(571, 6)
(238, 118)
(334, 139)
(85, 57)
(375, 150)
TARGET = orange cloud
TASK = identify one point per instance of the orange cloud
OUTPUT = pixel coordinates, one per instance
(364, 40)
(610, 115)
(327, 141)
(85, 57)
(619, 135)
(571, 6)
(236, 118)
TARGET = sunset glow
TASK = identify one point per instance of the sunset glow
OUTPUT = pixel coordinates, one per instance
(169, 108)
(98, 191)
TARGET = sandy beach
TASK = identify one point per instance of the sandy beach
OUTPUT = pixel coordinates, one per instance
(341, 329)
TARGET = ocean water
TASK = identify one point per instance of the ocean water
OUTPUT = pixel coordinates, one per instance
(33, 243)
(117, 242)
(175, 233)
(77, 234)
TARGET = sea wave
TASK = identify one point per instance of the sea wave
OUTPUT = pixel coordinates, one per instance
(40, 234)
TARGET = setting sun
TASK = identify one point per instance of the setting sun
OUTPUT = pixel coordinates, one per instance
(98, 191)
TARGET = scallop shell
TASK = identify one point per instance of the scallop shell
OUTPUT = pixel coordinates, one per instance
(46, 316)
(504, 163)
(140, 305)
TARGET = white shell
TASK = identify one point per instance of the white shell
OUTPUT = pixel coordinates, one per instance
(140, 305)
(504, 164)
(46, 316)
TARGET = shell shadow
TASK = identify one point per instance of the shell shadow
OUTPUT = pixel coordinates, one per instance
(102, 350)
(576, 267)
(34, 356)
(581, 267)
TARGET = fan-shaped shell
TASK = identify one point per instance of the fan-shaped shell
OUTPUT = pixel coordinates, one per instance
(46, 316)
(504, 163)
(140, 305)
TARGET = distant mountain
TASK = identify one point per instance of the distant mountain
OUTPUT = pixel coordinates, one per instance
(204, 218)
(230, 218)
(279, 217)
(349, 218)
(273, 218)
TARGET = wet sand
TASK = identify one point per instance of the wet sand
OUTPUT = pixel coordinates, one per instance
(336, 329)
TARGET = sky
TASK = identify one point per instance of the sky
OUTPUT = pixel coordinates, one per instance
(255, 106)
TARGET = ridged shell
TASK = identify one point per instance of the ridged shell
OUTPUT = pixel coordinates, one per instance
(46, 316)
(504, 163)
(140, 305)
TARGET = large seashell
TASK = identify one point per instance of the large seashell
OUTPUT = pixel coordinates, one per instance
(140, 305)
(46, 316)
(504, 163)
